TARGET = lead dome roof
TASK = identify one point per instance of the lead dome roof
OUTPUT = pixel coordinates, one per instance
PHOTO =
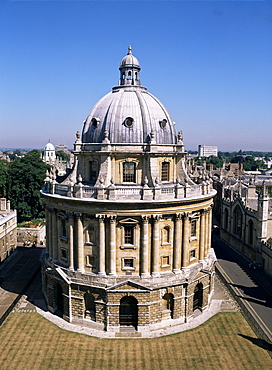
(129, 112)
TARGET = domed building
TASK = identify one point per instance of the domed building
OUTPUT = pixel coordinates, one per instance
(49, 153)
(128, 230)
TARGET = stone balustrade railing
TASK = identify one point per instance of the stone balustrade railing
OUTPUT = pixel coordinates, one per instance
(112, 192)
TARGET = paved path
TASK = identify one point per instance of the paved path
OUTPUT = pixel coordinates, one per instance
(252, 287)
(16, 274)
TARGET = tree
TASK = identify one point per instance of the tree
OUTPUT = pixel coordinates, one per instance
(3, 178)
(63, 156)
(26, 178)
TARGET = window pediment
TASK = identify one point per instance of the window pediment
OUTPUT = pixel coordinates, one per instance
(129, 221)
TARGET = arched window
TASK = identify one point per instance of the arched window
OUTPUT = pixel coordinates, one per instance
(129, 172)
(237, 219)
(165, 171)
(198, 297)
(89, 301)
(250, 232)
(226, 219)
(165, 235)
(90, 235)
(168, 304)
(129, 74)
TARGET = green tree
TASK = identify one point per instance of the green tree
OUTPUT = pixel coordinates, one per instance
(3, 178)
(26, 178)
(63, 156)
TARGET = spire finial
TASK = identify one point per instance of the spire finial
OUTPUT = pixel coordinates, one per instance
(129, 49)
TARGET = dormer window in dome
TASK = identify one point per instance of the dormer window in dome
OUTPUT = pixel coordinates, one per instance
(95, 122)
(129, 122)
(163, 123)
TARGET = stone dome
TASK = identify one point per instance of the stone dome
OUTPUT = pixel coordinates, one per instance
(129, 113)
(129, 59)
(49, 146)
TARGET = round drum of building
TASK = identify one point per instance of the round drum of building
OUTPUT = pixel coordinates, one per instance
(128, 229)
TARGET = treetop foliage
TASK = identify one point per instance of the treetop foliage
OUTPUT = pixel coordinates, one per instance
(21, 181)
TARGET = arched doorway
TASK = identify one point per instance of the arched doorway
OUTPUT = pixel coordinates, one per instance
(198, 297)
(128, 312)
(60, 304)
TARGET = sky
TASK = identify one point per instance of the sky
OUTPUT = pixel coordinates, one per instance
(209, 63)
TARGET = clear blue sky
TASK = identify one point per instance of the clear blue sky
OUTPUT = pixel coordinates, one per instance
(209, 62)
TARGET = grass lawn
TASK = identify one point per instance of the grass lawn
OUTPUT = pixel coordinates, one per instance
(226, 341)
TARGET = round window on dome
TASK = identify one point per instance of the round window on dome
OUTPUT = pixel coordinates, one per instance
(95, 122)
(163, 123)
(129, 121)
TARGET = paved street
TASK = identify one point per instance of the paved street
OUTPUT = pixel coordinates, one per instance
(16, 273)
(250, 290)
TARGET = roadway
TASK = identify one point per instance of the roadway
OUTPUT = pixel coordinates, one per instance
(252, 287)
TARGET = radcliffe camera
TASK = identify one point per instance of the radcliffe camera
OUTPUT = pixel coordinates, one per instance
(135, 185)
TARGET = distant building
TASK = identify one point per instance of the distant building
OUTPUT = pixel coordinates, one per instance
(243, 208)
(49, 153)
(8, 225)
(62, 147)
(207, 151)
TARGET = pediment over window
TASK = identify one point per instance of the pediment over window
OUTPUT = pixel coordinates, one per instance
(128, 221)
(127, 286)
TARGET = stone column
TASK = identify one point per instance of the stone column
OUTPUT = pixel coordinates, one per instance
(80, 243)
(101, 266)
(71, 240)
(48, 233)
(206, 231)
(54, 228)
(177, 243)
(112, 245)
(185, 240)
(144, 247)
(156, 245)
(209, 228)
(202, 236)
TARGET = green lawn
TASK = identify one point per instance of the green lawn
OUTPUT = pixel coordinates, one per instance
(226, 341)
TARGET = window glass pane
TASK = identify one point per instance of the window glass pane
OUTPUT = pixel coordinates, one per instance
(165, 171)
(129, 172)
(128, 234)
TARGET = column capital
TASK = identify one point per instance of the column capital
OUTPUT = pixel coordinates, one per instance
(100, 217)
(178, 216)
(145, 218)
(69, 214)
(112, 218)
(157, 217)
(78, 215)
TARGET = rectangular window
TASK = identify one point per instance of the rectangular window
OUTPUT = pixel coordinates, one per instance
(93, 171)
(128, 262)
(192, 254)
(63, 228)
(165, 261)
(91, 259)
(165, 171)
(129, 172)
(128, 234)
(193, 228)
(63, 254)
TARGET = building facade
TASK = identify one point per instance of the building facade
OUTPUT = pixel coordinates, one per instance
(244, 209)
(128, 231)
(8, 225)
(206, 151)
